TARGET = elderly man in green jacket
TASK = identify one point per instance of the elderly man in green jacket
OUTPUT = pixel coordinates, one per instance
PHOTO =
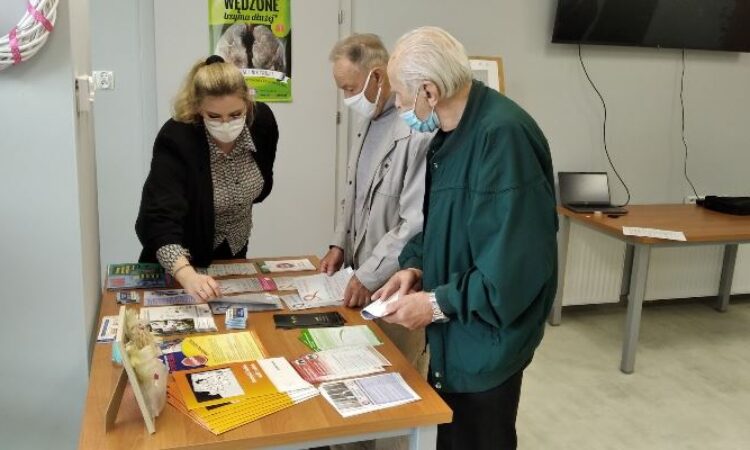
(482, 275)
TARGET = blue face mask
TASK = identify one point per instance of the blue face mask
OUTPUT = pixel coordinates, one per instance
(430, 124)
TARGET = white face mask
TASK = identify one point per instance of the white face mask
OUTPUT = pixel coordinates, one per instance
(359, 103)
(225, 132)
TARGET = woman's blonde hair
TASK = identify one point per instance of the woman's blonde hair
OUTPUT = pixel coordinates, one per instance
(210, 78)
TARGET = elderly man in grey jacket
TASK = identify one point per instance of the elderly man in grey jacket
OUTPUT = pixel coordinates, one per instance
(382, 208)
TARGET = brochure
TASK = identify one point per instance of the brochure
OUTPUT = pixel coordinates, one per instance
(376, 309)
(179, 319)
(318, 339)
(224, 348)
(108, 329)
(169, 297)
(174, 358)
(228, 269)
(311, 320)
(136, 275)
(239, 381)
(287, 265)
(251, 302)
(362, 395)
(277, 283)
(323, 290)
(126, 297)
(339, 363)
(239, 285)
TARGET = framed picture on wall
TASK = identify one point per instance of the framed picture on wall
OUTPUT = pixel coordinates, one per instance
(489, 70)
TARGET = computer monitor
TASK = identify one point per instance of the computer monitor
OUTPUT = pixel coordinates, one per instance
(583, 188)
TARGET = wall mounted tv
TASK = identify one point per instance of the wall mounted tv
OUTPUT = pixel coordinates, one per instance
(692, 24)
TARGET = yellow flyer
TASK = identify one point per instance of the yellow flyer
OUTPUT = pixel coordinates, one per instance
(224, 348)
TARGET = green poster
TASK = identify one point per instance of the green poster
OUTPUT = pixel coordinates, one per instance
(256, 36)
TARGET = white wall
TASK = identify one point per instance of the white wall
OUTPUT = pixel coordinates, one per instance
(126, 122)
(641, 89)
(50, 291)
(150, 53)
(640, 86)
(298, 216)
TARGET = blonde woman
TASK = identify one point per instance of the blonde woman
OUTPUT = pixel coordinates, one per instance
(211, 162)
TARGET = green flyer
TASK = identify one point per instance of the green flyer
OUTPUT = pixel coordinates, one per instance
(256, 36)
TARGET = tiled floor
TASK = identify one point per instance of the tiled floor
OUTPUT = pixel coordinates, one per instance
(690, 389)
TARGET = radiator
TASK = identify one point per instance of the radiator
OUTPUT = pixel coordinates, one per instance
(595, 262)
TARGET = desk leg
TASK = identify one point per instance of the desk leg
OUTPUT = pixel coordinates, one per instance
(423, 438)
(638, 281)
(727, 273)
(555, 315)
(627, 272)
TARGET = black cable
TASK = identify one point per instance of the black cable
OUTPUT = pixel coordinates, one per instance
(684, 141)
(604, 127)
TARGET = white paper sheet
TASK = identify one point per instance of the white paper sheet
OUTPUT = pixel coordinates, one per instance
(223, 270)
(654, 233)
(238, 285)
(376, 309)
(322, 290)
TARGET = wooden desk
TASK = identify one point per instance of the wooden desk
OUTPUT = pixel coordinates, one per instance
(310, 424)
(700, 226)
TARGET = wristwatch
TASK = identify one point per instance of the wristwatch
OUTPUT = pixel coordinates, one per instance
(437, 313)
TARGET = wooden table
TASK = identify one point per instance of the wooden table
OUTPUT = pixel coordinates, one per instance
(309, 424)
(700, 226)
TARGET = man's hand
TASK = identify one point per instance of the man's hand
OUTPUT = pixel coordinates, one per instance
(199, 286)
(356, 294)
(411, 311)
(332, 261)
(403, 282)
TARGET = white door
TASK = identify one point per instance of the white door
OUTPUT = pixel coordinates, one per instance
(298, 216)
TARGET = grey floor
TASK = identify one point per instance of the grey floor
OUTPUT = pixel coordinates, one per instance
(690, 389)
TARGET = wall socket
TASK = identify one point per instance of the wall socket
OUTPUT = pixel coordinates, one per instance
(691, 199)
(104, 80)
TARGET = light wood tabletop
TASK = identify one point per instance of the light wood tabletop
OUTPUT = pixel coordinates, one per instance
(311, 421)
(699, 224)
(700, 227)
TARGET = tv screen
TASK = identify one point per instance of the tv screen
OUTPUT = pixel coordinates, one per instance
(691, 24)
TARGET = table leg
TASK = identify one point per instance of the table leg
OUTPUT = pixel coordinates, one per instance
(423, 438)
(727, 273)
(555, 315)
(638, 281)
(627, 272)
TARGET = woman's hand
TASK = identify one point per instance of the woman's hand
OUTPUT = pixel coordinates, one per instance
(199, 286)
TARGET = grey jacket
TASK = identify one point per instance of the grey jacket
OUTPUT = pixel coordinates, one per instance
(393, 201)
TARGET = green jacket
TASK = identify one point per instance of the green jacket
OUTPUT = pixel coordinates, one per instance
(488, 249)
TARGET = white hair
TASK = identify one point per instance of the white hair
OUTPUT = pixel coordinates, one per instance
(431, 54)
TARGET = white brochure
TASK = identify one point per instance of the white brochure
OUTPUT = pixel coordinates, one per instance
(376, 309)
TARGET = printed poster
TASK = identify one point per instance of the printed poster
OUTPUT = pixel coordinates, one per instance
(256, 36)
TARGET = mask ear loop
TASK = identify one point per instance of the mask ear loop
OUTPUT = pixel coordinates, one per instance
(380, 89)
(416, 97)
(367, 83)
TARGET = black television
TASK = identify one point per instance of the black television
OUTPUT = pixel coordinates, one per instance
(686, 24)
